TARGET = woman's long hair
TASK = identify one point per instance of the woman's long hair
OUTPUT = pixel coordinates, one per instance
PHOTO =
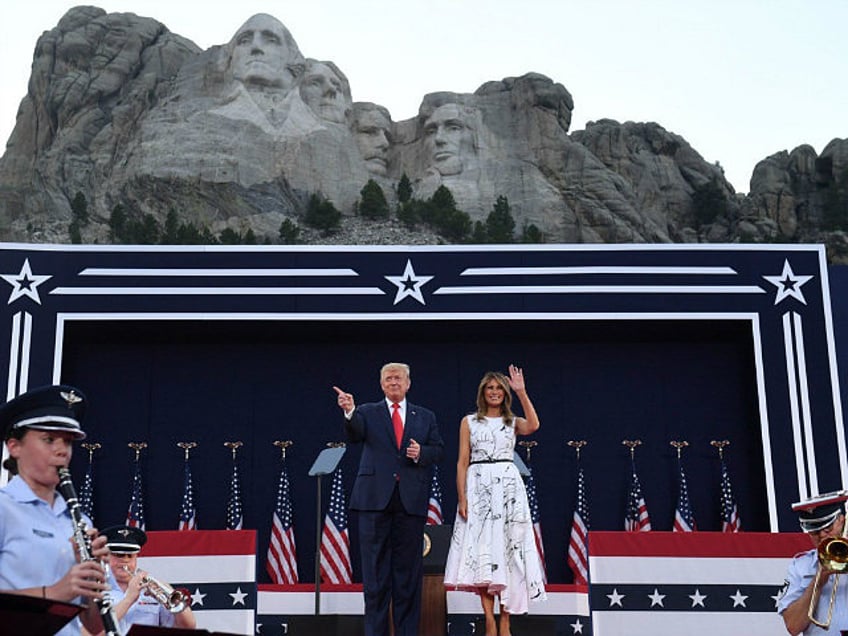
(506, 405)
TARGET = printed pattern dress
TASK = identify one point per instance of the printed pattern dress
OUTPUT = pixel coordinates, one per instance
(494, 549)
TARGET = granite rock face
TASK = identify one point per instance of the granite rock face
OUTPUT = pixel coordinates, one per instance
(240, 136)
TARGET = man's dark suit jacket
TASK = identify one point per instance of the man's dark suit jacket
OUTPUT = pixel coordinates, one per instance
(382, 464)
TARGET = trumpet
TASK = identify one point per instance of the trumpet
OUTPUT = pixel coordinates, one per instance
(832, 554)
(175, 601)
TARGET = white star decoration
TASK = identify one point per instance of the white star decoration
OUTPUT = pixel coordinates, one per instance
(788, 284)
(408, 284)
(739, 599)
(24, 283)
(656, 598)
(197, 597)
(577, 627)
(615, 598)
(698, 598)
(778, 596)
(238, 596)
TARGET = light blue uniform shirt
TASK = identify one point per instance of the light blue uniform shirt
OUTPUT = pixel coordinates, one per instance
(35, 546)
(799, 575)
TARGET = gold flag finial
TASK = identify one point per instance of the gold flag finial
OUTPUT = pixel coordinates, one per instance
(720, 445)
(91, 447)
(283, 445)
(577, 445)
(187, 446)
(234, 446)
(679, 445)
(528, 446)
(137, 447)
(632, 444)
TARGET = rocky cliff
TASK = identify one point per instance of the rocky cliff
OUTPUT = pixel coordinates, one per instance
(129, 116)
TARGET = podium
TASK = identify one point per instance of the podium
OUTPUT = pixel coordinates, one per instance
(32, 616)
(434, 607)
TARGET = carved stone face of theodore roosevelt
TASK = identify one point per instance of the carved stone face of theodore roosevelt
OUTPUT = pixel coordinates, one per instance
(372, 130)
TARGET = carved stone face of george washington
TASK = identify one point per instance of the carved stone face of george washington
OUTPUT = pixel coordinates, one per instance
(264, 54)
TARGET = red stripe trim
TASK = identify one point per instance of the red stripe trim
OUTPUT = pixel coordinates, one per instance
(200, 543)
(698, 544)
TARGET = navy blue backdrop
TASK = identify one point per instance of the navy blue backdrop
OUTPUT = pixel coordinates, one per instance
(258, 382)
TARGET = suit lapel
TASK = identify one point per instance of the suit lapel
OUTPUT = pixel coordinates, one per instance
(408, 426)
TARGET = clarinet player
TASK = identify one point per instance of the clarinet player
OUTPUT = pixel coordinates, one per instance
(38, 556)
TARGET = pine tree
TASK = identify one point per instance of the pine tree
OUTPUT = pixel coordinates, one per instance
(289, 232)
(79, 208)
(404, 189)
(322, 214)
(500, 225)
(373, 204)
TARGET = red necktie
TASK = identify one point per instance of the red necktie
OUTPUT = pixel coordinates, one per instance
(398, 423)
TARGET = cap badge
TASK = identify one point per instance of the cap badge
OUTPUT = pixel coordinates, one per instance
(70, 398)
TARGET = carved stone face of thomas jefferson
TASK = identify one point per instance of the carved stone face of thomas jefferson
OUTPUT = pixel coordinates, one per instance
(372, 130)
(264, 54)
(448, 139)
(324, 89)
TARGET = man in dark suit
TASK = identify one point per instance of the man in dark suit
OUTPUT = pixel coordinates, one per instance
(400, 444)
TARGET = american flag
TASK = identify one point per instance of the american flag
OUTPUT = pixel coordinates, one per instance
(135, 511)
(684, 518)
(188, 514)
(730, 521)
(636, 518)
(578, 548)
(87, 494)
(335, 540)
(434, 508)
(534, 516)
(234, 515)
(282, 556)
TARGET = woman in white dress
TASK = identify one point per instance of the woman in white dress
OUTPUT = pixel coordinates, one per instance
(493, 549)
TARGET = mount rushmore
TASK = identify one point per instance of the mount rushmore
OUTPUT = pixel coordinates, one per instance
(126, 114)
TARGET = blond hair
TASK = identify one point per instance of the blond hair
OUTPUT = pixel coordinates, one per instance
(506, 405)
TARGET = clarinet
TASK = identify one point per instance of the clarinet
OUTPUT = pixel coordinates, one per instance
(83, 543)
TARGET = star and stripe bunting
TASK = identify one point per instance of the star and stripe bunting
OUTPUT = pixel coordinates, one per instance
(217, 567)
(697, 583)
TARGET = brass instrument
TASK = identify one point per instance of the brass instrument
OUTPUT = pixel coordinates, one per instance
(175, 601)
(832, 553)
